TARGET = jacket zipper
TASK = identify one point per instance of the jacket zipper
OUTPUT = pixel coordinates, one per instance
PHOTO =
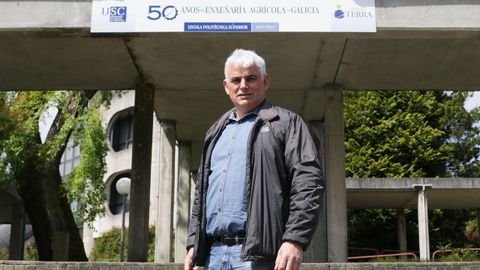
(253, 133)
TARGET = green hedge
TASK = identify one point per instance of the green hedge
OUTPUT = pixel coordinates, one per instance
(30, 253)
(107, 246)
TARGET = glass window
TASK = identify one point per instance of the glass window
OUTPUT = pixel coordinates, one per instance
(121, 131)
(70, 159)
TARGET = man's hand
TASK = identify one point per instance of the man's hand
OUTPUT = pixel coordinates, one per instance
(188, 260)
(290, 256)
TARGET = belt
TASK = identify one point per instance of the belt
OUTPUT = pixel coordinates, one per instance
(228, 239)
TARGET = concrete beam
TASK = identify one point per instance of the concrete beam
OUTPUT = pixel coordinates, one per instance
(45, 14)
(450, 14)
(392, 193)
(391, 14)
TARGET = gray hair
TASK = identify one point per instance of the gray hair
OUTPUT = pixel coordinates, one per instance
(246, 58)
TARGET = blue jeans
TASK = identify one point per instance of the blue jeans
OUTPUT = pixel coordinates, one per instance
(223, 257)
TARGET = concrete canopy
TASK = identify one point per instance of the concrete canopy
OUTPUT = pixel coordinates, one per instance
(419, 45)
(446, 193)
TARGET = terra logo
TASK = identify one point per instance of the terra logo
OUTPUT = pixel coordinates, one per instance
(339, 14)
(116, 14)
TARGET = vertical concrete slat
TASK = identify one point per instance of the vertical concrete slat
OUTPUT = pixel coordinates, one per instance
(141, 166)
(164, 222)
(317, 251)
(183, 200)
(401, 229)
(336, 195)
(423, 235)
(17, 232)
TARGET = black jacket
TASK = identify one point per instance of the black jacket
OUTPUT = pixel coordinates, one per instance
(284, 185)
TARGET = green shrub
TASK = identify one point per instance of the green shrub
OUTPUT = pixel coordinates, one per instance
(459, 255)
(30, 253)
(107, 246)
(3, 253)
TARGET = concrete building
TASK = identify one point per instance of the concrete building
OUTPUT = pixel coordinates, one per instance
(418, 45)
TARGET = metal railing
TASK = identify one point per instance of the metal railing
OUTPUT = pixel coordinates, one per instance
(404, 254)
(435, 254)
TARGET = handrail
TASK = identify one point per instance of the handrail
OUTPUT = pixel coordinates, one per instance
(393, 251)
(384, 256)
(451, 250)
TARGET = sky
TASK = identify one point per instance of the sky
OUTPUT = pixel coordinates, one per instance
(473, 102)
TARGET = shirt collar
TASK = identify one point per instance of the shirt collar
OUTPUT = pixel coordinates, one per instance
(233, 114)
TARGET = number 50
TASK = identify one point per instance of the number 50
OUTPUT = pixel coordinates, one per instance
(156, 12)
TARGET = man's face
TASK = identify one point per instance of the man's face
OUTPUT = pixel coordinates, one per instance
(245, 87)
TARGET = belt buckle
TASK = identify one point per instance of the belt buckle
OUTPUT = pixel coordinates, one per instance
(228, 240)
(231, 240)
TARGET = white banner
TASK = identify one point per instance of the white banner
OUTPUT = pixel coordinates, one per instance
(110, 16)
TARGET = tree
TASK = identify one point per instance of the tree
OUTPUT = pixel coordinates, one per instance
(408, 134)
(34, 166)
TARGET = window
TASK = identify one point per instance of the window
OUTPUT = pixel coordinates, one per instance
(115, 200)
(70, 159)
(121, 131)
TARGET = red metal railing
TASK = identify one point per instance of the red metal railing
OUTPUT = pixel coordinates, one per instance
(434, 255)
(404, 254)
(373, 253)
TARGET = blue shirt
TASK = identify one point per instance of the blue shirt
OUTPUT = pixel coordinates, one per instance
(227, 183)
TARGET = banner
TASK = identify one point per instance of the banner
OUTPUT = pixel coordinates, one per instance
(112, 16)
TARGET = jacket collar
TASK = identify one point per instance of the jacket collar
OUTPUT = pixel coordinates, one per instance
(267, 112)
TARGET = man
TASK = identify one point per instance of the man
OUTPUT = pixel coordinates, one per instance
(258, 188)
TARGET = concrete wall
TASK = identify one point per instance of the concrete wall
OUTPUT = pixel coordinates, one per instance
(20, 265)
(119, 162)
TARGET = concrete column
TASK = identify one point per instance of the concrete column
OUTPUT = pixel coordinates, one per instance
(61, 243)
(141, 166)
(88, 240)
(17, 232)
(183, 200)
(423, 235)
(401, 229)
(164, 222)
(317, 251)
(336, 196)
(193, 177)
